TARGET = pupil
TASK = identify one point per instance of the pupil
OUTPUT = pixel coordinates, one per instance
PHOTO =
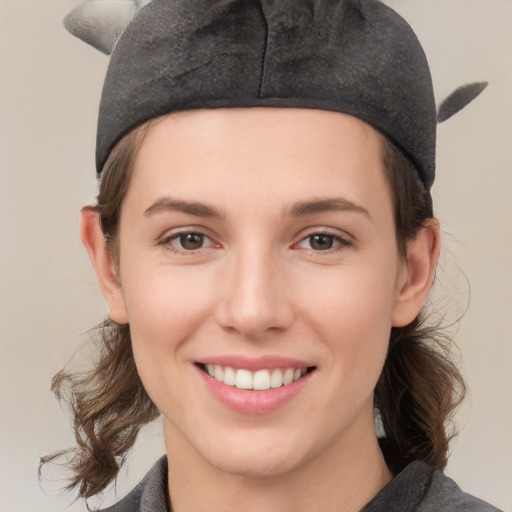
(191, 241)
(321, 242)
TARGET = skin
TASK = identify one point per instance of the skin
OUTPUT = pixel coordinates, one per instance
(258, 286)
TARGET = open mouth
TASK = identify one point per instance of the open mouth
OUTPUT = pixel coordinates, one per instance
(259, 380)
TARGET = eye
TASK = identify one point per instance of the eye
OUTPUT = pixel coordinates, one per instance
(191, 241)
(188, 241)
(323, 242)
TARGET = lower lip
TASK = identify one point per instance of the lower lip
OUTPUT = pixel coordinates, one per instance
(253, 402)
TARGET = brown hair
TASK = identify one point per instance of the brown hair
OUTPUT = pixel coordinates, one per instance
(416, 394)
(109, 403)
(420, 386)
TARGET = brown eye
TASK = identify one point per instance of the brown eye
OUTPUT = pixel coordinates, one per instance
(191, 241)
(324, 242)
(188, 242)
(321, 242)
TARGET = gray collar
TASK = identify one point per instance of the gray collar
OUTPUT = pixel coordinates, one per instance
(418, 488)
(150, 495)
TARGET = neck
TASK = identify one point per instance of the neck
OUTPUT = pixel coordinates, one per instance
(343, 478)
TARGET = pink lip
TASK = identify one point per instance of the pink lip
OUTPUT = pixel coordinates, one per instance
(254, 402)
(254, 364)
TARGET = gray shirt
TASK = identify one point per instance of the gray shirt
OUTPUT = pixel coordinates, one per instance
(418, 488)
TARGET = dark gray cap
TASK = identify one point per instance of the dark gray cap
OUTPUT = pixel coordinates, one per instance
(353, 56)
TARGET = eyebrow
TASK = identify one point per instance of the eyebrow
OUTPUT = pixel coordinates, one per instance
(177, 205)
(321, 205)
(299, 209)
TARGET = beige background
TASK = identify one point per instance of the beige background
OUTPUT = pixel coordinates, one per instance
(49, 93)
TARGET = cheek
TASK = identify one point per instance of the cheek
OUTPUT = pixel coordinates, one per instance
(155, 304)
(352, 313)
(159, 295)
(164, 311)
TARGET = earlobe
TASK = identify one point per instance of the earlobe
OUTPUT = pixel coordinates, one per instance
(103, 263)
(416, 282)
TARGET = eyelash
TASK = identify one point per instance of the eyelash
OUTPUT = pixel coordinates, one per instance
(168, 242)
(339, 242)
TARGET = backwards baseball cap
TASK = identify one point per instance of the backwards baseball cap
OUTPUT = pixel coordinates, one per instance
(357, 57)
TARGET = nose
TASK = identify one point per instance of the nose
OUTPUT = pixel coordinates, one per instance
(255, 297)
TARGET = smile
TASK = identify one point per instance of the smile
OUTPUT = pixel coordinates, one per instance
(260, 380)
(254, 386)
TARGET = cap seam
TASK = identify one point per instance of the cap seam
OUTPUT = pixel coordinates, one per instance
(262, 86)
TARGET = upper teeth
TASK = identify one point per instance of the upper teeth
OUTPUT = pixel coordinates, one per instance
(259, 380)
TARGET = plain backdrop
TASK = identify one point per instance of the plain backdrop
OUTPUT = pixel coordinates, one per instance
(50, 86)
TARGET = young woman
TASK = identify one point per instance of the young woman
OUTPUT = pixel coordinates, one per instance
(265, 240)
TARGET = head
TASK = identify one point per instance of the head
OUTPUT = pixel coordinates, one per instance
(279, 223)
(176, 310)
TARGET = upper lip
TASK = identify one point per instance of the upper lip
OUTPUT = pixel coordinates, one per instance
(255, 363)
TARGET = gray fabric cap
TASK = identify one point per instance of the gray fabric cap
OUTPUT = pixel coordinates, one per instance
(353, 56)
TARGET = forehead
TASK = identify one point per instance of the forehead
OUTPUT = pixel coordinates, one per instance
(269, 155)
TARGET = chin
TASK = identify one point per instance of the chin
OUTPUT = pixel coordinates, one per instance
(253, 463)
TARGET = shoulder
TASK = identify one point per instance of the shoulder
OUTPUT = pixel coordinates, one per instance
(421, 488)
(418, 488)
(445, 492)
(149, 494)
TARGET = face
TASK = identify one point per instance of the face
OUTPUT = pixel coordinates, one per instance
(258, 246)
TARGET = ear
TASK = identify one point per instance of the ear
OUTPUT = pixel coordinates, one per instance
(418, 274)
(103, 263)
